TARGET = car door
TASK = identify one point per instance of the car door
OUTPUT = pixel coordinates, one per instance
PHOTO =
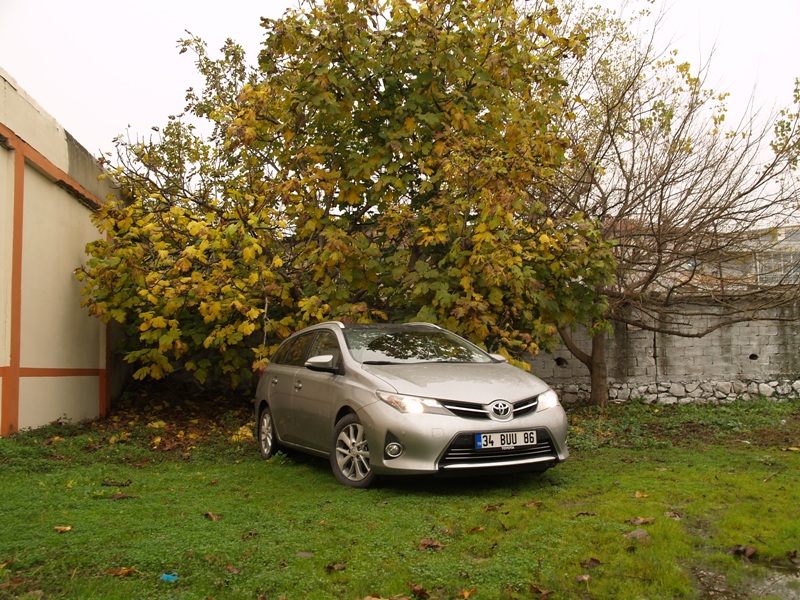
(282, 373)
(314, 393)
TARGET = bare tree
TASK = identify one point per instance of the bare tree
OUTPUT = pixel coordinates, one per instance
(695, 204)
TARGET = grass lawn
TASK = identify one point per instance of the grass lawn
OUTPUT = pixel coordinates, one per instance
(172, 500)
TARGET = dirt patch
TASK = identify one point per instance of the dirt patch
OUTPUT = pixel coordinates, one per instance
(786, 435)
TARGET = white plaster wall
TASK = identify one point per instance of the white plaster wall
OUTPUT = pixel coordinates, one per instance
(22, 115)
(45, 399)
(56, 331)
(6, 240)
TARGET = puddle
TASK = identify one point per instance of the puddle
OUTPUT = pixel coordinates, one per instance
(776, 583)
(783, 585)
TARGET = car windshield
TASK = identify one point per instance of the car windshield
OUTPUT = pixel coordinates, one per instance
(382, 346)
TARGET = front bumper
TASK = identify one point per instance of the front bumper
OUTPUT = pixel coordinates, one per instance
(438, 444)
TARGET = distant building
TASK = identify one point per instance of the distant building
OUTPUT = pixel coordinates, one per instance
(781, 263)
(54, 357)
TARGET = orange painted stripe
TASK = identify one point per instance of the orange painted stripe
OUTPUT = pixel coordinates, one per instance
(10, 405)
(11, 374)
(43, 165)
(57, 372)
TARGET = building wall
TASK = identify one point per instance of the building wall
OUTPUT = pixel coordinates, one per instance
(53, 356)
(729, 362)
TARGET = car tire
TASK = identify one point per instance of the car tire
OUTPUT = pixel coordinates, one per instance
(350, 453)
(267, 440)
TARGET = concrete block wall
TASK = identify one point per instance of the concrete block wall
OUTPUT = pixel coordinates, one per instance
(740, 360)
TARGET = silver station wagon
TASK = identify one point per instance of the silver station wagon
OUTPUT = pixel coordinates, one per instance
(408, 399)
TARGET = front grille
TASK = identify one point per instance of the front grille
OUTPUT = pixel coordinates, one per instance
(462, 453)
(470, 410)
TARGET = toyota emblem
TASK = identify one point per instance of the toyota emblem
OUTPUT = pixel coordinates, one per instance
(501, 410)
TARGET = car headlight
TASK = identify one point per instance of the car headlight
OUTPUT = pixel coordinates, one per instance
(548, 399)
(412, 404)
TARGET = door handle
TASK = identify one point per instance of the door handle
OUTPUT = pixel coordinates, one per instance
(274, 381)
(298, 385)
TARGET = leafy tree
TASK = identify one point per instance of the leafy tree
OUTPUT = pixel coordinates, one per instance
(688, 197)
(386, 160)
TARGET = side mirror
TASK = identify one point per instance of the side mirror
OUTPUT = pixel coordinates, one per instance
(499, 357)
(324, 363)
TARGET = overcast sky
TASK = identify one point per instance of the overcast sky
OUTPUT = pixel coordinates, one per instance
(99, 66)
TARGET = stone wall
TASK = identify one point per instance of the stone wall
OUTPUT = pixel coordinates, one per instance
(741, 360)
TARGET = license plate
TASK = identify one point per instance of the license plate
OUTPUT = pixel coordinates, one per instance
(505, 440)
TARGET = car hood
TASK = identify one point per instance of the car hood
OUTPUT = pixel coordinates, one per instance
(478, 382)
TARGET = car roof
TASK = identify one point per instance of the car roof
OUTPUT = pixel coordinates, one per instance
(415, 326)
(392, 326)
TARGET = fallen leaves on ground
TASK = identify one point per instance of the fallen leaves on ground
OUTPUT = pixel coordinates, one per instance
(121, 496)
(122, 571)
(212, 517)
(543, 593)
(591, 563)
(418, 591)
(641, 495)
(116, 483)
(638, 521)
(172, 416)
(12, 583)
(63, 528)
(745, 551)
(335, 567)
(243, 434)
(429, 544)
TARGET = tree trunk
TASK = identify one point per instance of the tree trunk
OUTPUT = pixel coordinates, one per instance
(595, 362)
(598, 371)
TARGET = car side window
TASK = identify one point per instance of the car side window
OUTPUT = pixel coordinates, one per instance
(325, 343)
(297, 352)
(279, 357)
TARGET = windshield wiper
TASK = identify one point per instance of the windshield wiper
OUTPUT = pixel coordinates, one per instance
(379, 362)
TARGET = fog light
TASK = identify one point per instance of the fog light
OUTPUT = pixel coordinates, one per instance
(393, 449)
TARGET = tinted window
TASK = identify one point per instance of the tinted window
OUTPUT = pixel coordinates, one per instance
(296, 351)
(387, 345)
(280, 354)
(325, 343)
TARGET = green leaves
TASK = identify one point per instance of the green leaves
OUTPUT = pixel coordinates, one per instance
(387, 161)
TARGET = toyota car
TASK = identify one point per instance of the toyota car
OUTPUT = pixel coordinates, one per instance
(410, 399)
